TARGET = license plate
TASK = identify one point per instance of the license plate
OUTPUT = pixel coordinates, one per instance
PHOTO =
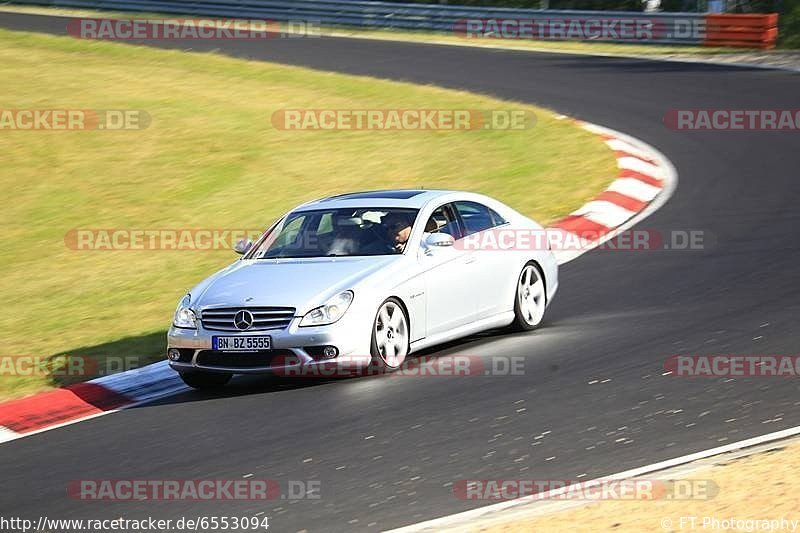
(241, 344)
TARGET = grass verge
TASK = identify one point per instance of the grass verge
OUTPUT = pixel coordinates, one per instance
(751, 489)
(211, 158)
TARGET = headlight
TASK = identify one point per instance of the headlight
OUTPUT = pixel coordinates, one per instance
(185, 317)
(330, 312)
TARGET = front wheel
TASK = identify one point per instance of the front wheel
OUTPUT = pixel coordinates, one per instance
(530, 300)
(390, 336)
(205, 380)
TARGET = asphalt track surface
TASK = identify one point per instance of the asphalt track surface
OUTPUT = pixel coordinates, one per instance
(592, 400)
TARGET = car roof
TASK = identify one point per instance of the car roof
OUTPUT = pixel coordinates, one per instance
(397, 198)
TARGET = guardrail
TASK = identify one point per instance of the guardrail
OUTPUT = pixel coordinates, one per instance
(757, 31)
(751, 31)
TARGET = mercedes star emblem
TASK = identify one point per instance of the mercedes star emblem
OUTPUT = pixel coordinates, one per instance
(243, 319)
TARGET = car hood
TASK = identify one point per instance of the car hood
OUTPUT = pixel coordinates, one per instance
(299, 283)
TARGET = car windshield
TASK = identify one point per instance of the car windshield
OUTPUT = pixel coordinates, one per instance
(338, 233)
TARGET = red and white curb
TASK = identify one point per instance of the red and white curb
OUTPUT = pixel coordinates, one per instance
(82, 401)
(646, 179)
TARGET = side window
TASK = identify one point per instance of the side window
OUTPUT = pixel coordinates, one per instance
(496, 218)
(444, 220)
(476, 217)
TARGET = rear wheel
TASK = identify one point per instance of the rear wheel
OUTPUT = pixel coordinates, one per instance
(390, 336)
(205, 380)
(530, 300)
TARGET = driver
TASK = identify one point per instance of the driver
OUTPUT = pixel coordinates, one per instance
(399, 227)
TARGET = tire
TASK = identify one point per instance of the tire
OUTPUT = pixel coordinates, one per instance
(205, 380)
(530, 298)
(390, 343)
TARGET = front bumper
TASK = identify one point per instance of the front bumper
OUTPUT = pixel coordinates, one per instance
(351, 335)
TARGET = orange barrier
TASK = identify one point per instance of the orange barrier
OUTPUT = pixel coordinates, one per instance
(746, 30)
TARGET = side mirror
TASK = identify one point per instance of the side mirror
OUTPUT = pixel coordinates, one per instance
(437, 240)
(242, 246)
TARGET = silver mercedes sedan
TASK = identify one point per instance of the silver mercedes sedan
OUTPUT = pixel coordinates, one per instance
(362, 280)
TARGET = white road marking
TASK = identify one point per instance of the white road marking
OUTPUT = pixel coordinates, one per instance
(6, 434)
(466, 517)
(16, 435)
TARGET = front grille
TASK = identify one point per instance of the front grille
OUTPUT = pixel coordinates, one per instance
(263, 359)
(221, 318)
